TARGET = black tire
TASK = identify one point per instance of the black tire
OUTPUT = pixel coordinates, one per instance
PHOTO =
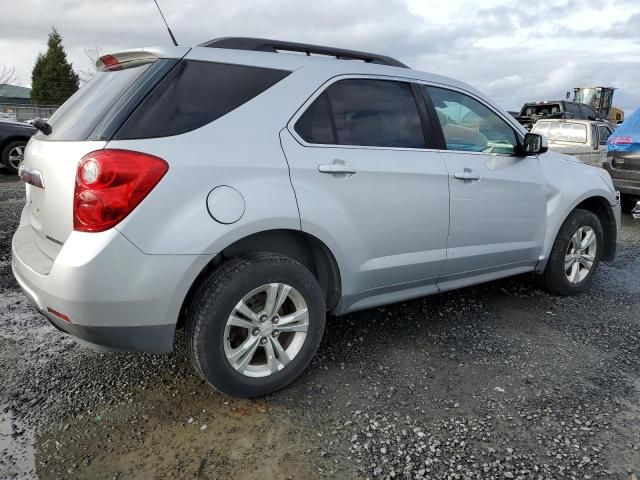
(5, 154)
(214, 302)
(628, 202)
(554, 278)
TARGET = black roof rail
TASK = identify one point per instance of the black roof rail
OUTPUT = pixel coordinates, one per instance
(274, 46)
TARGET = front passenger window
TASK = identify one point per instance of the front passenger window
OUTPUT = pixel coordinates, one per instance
(604, 134)
(468, 125)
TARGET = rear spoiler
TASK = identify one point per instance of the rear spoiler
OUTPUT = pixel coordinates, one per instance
(124, 59)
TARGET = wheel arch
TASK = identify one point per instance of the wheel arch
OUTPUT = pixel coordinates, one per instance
(300, 246)
(601, 208)
(12, 138)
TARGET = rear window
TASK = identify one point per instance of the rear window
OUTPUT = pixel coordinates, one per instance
(80, 114)
(543, 109)
(541, 128)
(193, 94)
(568, 132)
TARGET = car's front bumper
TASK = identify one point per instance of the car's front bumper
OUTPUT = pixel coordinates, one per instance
(115, 296)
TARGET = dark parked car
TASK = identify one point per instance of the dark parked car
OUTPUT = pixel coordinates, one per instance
(623, 160)
(532, 112)
(13, 139)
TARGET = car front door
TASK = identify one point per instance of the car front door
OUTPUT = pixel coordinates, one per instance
(497, 199)
(368, 187)
(604, 132)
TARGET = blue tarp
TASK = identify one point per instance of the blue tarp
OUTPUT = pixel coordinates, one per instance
(626, 137)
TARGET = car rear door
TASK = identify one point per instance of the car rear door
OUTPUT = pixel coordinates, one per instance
(367, 185)
(497, 199)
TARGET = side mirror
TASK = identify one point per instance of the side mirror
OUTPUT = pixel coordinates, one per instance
(534, 144)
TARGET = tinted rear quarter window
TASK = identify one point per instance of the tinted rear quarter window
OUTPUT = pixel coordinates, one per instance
(193, 94)
(314, 126)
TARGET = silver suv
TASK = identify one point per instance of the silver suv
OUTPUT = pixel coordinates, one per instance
(244, 188)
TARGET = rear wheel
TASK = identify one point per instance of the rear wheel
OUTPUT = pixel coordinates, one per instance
(255, 324)
(12, 155)
(575, 255)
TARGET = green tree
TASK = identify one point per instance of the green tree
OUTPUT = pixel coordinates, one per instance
(53, 79)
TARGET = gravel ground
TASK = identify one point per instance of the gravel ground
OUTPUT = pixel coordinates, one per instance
(498, 381)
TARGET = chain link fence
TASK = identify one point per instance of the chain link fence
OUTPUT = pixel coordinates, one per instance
(27, 111)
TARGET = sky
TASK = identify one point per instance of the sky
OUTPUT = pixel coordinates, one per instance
(514, 51)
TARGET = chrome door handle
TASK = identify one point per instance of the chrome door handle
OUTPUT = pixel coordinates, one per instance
(467, 175)
(336, 168)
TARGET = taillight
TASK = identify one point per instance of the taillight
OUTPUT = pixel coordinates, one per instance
(622, 140)
(110, 184)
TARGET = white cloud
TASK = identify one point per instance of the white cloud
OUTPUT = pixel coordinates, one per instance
(515, 51)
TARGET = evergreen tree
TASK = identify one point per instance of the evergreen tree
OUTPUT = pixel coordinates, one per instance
(53, 79)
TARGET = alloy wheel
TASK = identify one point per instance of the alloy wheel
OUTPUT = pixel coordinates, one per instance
(581, 254)
(16, 155)
(266, 330)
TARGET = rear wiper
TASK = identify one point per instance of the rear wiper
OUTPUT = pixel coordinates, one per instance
(41, 125)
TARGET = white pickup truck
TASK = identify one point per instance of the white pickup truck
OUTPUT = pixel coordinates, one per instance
(584, 139)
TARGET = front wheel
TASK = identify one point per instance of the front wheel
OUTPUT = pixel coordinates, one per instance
(254, 324)
(575, 255)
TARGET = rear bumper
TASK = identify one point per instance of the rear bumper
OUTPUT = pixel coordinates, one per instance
(116, 297)
(146, 338)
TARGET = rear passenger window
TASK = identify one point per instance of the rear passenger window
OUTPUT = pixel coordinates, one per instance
(193, 94)
(376, 113)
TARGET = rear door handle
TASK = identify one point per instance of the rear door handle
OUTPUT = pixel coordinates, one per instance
(467, 175)
(337, 168)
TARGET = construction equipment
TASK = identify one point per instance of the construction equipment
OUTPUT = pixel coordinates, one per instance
(600, 98)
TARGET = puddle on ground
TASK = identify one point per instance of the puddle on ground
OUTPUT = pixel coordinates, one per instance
(17, 456)
(190, 432)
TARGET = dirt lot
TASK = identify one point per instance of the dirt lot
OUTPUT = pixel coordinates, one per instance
(496, 381)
